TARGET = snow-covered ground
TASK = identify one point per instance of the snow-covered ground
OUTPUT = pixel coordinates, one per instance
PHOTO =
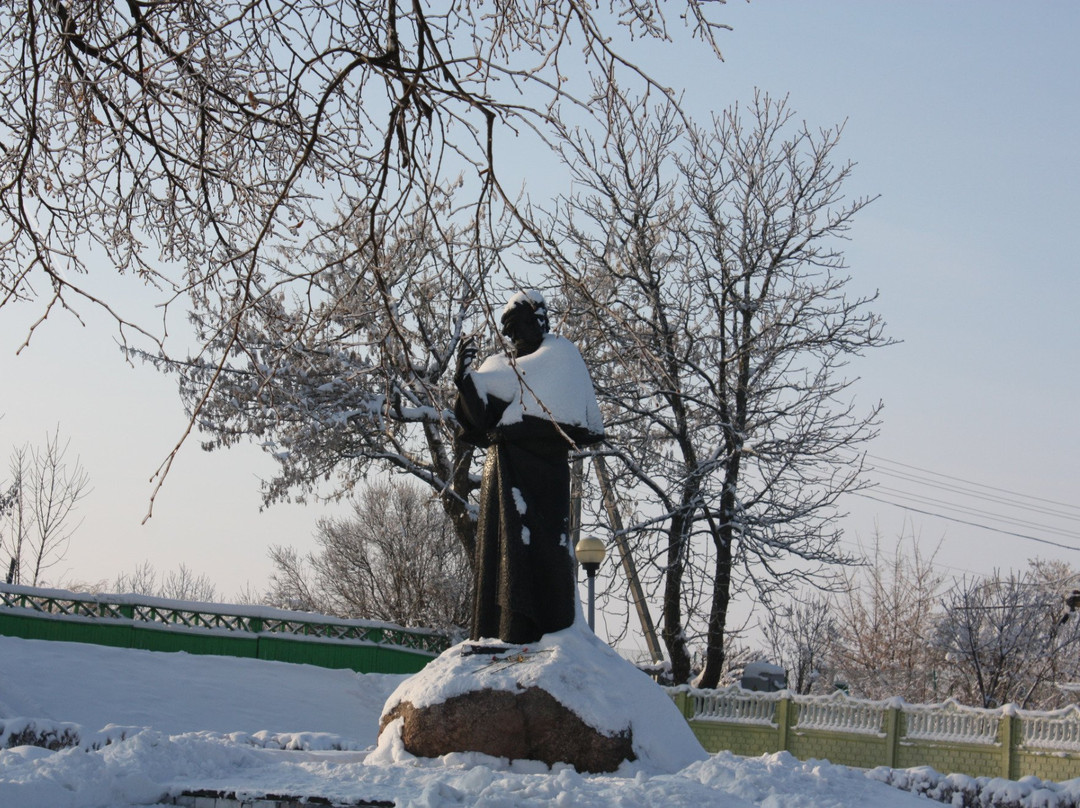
(178, 722)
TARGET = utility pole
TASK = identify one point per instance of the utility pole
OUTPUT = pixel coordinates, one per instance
(575, 500)
(637, 593)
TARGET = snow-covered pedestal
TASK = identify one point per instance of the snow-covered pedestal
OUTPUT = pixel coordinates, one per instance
(567, 698)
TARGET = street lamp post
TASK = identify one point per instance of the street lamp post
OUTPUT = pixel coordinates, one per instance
(590, 552)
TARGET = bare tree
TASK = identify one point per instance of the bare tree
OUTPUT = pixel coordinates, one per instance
(885, 625)
(357, 393)
(179, 584)
(799, 636)
(39, 518)
(293, 584)
(143, 580)
(396, 559)
(1005, 640)
(9, 498)
(712, 307)
(15, 516)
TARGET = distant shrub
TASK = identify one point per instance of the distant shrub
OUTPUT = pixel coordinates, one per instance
(29, 732)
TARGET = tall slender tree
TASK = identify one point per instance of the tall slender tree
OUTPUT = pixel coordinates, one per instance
(714, 308)
(38, 515)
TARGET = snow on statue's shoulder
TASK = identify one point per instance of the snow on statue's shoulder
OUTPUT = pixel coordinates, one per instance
(551, 382)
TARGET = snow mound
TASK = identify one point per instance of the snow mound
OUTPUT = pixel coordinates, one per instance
(962, 791)
(582, 673)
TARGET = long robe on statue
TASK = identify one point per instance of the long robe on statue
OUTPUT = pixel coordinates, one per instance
(529, 412)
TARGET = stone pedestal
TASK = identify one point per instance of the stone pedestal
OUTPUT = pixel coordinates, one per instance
(567, 699)
(527, 725)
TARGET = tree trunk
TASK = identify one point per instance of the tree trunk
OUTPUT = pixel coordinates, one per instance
(672, 632)
(456, 500)
(715, 652)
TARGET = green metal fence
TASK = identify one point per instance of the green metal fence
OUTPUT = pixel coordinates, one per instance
(156, 624)
(949, 737)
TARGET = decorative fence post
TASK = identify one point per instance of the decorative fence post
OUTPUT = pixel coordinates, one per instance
(685, 702)
(892, 735)
(783, 713)
(1010, 739)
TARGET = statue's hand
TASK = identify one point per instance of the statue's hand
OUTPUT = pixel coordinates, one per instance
(466, 355)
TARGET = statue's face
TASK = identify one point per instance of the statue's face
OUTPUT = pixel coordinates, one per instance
(525, 332)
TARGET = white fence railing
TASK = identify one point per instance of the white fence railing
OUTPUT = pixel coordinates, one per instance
(1056, 730)
(948, 722)
(838, 713)
(736, 706)
(951, 723)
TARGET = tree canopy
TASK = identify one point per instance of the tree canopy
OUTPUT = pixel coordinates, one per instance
(242, 156)
(221, 149)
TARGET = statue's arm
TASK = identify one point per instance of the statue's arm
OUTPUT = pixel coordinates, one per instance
(476, 414)
(470, 406)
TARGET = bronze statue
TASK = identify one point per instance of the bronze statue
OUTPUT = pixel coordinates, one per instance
(529, 409)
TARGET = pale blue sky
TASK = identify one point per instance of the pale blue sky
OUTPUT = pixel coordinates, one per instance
(964, 116)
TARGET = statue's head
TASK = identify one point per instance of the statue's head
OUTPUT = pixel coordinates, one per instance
(525, 321)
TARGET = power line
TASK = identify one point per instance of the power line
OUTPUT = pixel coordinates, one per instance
(971, 524)
(986, 577)
(957, 489)
(959, 497)
(1067, 505)
(970, 511)
(858, 545)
